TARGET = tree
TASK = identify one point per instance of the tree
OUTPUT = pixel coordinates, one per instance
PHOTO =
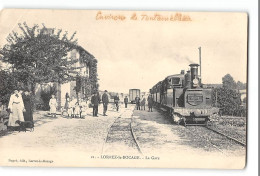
(228, 82)
(39, 55)
(7, 85)
(228, 100)
(93, 76)
(244, 100)
(241, 86)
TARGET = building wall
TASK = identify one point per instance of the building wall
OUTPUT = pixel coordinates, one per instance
(68, 87)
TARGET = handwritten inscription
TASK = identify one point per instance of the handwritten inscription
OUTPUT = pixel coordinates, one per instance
(143, 17)
(101, 16)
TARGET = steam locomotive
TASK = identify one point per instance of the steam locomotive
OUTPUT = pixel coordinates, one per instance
(184, 98)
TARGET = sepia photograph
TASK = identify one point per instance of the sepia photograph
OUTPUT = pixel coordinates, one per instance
(115, 88)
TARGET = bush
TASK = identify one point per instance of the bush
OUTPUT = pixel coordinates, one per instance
(228, 100)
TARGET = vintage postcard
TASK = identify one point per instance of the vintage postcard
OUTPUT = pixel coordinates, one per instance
(107, 88)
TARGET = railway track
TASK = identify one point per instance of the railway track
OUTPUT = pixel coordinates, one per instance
(214, 138)
(228, 137)
(216, 131)
(121, 135)
(205, 138)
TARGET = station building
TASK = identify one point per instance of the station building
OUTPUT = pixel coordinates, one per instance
(84, 65)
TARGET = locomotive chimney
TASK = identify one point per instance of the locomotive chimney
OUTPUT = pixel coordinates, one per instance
(194, 75)
(188, 80)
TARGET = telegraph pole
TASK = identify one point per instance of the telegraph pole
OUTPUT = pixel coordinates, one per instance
(200, 60)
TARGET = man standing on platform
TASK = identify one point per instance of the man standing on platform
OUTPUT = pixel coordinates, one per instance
(150, 103)
(95, 101)
(137, 101)
(125, 101)
(105, 102)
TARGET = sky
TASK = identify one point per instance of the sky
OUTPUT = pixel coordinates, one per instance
(139, 53)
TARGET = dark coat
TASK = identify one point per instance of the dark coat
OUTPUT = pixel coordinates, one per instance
(150, 101)
(105, 98)
(137, 100)
(28, 106)
(95, 99)
(116, 99)
(126, 100)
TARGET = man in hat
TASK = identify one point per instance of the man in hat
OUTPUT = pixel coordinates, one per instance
(125, 101)
(95, 101)
(105, 102)
(116, 100)
(137, 101)
(150, 103)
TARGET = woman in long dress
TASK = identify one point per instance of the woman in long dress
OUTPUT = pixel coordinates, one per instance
(28, 105)
(16, 107)
(53, 106)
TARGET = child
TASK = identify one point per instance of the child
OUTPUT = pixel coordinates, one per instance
(53, 106)
(77, 110)
(70, 109)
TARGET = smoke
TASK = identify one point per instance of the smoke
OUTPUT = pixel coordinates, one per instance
(179, 58)
(170, 53)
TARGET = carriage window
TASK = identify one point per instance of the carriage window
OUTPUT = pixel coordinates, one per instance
(175, 81)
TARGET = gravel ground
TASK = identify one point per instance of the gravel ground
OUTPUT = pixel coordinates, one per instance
(81, 142)
(119, 139)
(60, 136)
(234, 127)
(158, 135)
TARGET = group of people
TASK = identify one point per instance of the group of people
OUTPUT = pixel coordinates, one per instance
(73, 107)
(77, 108)
(140, 103)
(20, 107)
(95, 101)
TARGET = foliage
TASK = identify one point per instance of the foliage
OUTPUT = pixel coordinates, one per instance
(7, 86)
(228, 82)
(244, 100)
(39, 56)
(228, 100)
(93, 80)
(241, 86)
(46, 96)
